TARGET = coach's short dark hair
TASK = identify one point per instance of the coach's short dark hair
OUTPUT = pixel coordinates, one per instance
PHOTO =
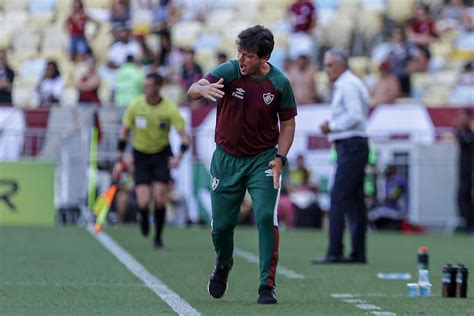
(157, 78)
(256, 39)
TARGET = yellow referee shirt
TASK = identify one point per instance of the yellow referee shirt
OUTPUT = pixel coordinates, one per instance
(151, 124)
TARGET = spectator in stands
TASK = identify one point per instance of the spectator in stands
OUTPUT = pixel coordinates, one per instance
(149, 57)
(451, 15)
(465, 40)
(125, 46)
(399, 56)
(421, 28)
(76, 25)
(191, 71)
(7, 75)
(51, 85)
(120, 12)
(163, 11)
(420, 60)
(302, 16)
(387, 88)
(128, 83)
(170, 57)
(301, 75)
(465, 136)
(89, 83)
(221, 57)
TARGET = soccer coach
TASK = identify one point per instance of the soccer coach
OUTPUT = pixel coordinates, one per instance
(346, 129)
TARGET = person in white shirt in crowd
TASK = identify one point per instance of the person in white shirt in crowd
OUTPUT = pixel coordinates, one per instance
(346, 129)
(51, 86)
(123, 47)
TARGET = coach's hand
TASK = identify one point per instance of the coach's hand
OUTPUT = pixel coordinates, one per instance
(276, 165)
(213, 91)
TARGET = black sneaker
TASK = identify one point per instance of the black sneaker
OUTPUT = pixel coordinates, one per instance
(144, 223)
(158, 244)
(266, 295)
(217, 285)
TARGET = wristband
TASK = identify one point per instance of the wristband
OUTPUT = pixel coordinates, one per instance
(122, 144)
(283, 159)
(183, 148)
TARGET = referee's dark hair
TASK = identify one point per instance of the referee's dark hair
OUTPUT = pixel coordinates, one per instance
(257, 39)
(157, 78)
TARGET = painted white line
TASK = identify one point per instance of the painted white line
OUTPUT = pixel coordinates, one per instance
(361, 304)
(368, 306)
(73, 284)
(342, 295)
(250, 257)
(179, 305)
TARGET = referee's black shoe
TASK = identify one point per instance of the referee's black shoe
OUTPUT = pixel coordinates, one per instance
(217, 285)
(266, 295)
(144, 222)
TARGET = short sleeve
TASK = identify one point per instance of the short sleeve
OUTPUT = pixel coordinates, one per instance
(128, 119)
(228, 71)
(288, 103)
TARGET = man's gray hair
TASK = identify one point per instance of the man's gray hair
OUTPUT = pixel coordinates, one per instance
(339, 54)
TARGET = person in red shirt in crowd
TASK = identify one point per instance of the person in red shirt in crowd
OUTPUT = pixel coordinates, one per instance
(76, 25)
(88, 84)
(302, 16)
(421, 28)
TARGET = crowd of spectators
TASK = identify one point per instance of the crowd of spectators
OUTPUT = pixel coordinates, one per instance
(143, 45)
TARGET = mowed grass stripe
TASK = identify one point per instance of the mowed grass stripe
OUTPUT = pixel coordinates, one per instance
(152, 282)
(63, 271)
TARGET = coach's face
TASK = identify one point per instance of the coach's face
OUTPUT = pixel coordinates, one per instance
(333, 67)
(249, 62)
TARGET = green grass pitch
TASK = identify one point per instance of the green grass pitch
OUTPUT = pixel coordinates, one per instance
(65, 271)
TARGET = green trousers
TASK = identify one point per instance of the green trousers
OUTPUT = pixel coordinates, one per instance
(231, 177)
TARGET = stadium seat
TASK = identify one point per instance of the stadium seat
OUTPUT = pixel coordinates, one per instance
(217, 19)
(32, 70)
(206, 57)
(15, 18)
(339, 31)
(40, 20)
(436, 95)
(54, 39)
(401, 11)
(360, 65)
(13, 5)
(38, 6)
(104, 4)
(173, 92)
(184, 34)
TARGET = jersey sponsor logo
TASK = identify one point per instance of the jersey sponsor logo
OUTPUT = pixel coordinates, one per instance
(269, 173)
(238, 93)
(268, 98)
(214, 183)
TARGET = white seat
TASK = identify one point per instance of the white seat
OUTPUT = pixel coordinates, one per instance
(69, 97)
(10, 5)
(32, 69)
(37, 6)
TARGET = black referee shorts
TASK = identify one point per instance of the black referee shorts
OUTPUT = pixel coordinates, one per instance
(151, 168)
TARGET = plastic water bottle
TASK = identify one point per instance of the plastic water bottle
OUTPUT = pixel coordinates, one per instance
(423, 258)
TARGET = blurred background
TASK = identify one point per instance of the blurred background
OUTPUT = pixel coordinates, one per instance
(69, 67)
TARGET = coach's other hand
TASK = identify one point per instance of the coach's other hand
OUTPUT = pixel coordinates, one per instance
(276, 165)
(213, 90)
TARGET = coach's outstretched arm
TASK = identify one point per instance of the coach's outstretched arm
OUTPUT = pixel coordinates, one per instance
(207, 90)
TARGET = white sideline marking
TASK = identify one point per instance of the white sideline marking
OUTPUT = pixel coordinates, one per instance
(250, 257)
(179, 305)
(362, 304)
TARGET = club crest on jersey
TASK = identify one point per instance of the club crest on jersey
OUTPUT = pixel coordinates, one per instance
(268, 98)
(214, 183)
